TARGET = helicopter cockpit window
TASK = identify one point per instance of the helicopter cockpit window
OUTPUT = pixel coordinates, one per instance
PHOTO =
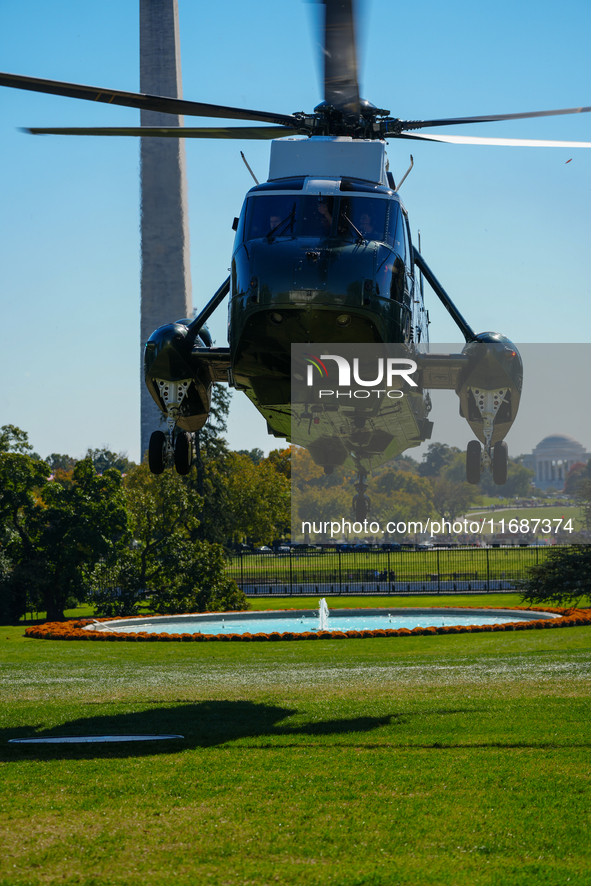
(317, 215)
(361, 218)
(271, 217)
(399, 242)
(394, 236)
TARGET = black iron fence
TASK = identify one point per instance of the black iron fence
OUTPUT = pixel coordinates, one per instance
(439, 571)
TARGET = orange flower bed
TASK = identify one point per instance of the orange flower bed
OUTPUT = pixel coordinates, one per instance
(73, 630)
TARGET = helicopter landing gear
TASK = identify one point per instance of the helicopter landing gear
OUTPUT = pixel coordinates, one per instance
(157, 452)
(500, 463)
(183, 452)
(361, 502)
(488, 403)
(477, 460)
(473, 462)
(175, 446)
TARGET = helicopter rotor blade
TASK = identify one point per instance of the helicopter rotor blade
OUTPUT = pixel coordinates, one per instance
(239, 132)
(501, 142)
(341, 82)
(143, 102)
(409, 125)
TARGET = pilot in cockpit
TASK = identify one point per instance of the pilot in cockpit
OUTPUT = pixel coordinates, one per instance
(274, 222)
(366, 225)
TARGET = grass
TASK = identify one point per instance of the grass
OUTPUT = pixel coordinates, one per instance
(84, 610)
(450, 760)
(502, 601)
(499, 501)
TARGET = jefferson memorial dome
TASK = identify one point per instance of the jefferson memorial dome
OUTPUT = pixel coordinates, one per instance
(552, 459)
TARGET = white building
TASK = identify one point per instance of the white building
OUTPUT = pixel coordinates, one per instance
(552, 459)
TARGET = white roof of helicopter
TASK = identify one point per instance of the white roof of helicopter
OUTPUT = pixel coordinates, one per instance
(331, 157)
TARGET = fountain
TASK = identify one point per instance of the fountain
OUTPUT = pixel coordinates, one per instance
(323, 615)
(305, 621)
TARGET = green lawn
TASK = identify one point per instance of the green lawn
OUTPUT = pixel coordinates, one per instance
(351, 602)
(428, 761)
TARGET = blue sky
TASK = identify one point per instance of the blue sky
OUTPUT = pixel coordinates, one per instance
(506, 230)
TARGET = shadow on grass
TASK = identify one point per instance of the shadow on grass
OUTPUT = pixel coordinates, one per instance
(213, 723)
(204, 724)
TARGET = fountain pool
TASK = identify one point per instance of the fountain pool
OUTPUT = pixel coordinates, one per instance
(307, 621)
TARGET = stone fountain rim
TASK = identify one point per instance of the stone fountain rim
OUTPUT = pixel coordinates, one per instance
(302, 613)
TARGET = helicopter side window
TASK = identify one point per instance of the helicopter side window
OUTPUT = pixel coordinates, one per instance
(362, 218)
(317, 214)
(394, 230)
(271, 217)
(408, 241)
(397, 240)
(240, 229)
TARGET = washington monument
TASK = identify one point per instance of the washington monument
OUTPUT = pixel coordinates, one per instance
(165, 266)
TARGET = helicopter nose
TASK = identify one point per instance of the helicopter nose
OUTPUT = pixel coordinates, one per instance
(167, 350)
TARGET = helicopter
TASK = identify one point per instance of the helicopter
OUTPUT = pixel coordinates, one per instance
(305, 268)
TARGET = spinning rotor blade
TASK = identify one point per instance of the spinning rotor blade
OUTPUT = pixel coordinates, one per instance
(143, 102)
(503, 142)
(341, 86)
(408, 125)
(251, 132)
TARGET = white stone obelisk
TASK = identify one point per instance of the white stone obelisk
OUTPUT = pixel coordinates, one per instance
(165, 267)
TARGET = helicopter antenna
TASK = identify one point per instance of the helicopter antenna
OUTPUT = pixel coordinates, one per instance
(412, 163)
(256, 181)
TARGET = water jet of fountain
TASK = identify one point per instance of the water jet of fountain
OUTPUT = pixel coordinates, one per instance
(322, 615)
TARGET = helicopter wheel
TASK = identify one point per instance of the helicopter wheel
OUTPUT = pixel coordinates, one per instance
(473, 462)
(361, 506)
(183, 452)
(156, 450)
(500, 463)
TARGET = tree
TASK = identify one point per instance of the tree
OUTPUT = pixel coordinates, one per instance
(451, 499)
(241, 499)
(80, 523)
(255, 455)
(259, 498)
(12, 439)
(404, 462)
(211, 447)
(400, 495)
(563, 579)
(55, 532)
(578, 472)
(281, 461)
(210, 435)
(518, 483)
(115, 586)
(317, 497)
(437, 457)
(195, 580)
(103, 459)
(161, 508)
(10, 607)
(449, 462)
(583, 498)
(166, 565)
(59, 462)
(317, 504)
(21, 481)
